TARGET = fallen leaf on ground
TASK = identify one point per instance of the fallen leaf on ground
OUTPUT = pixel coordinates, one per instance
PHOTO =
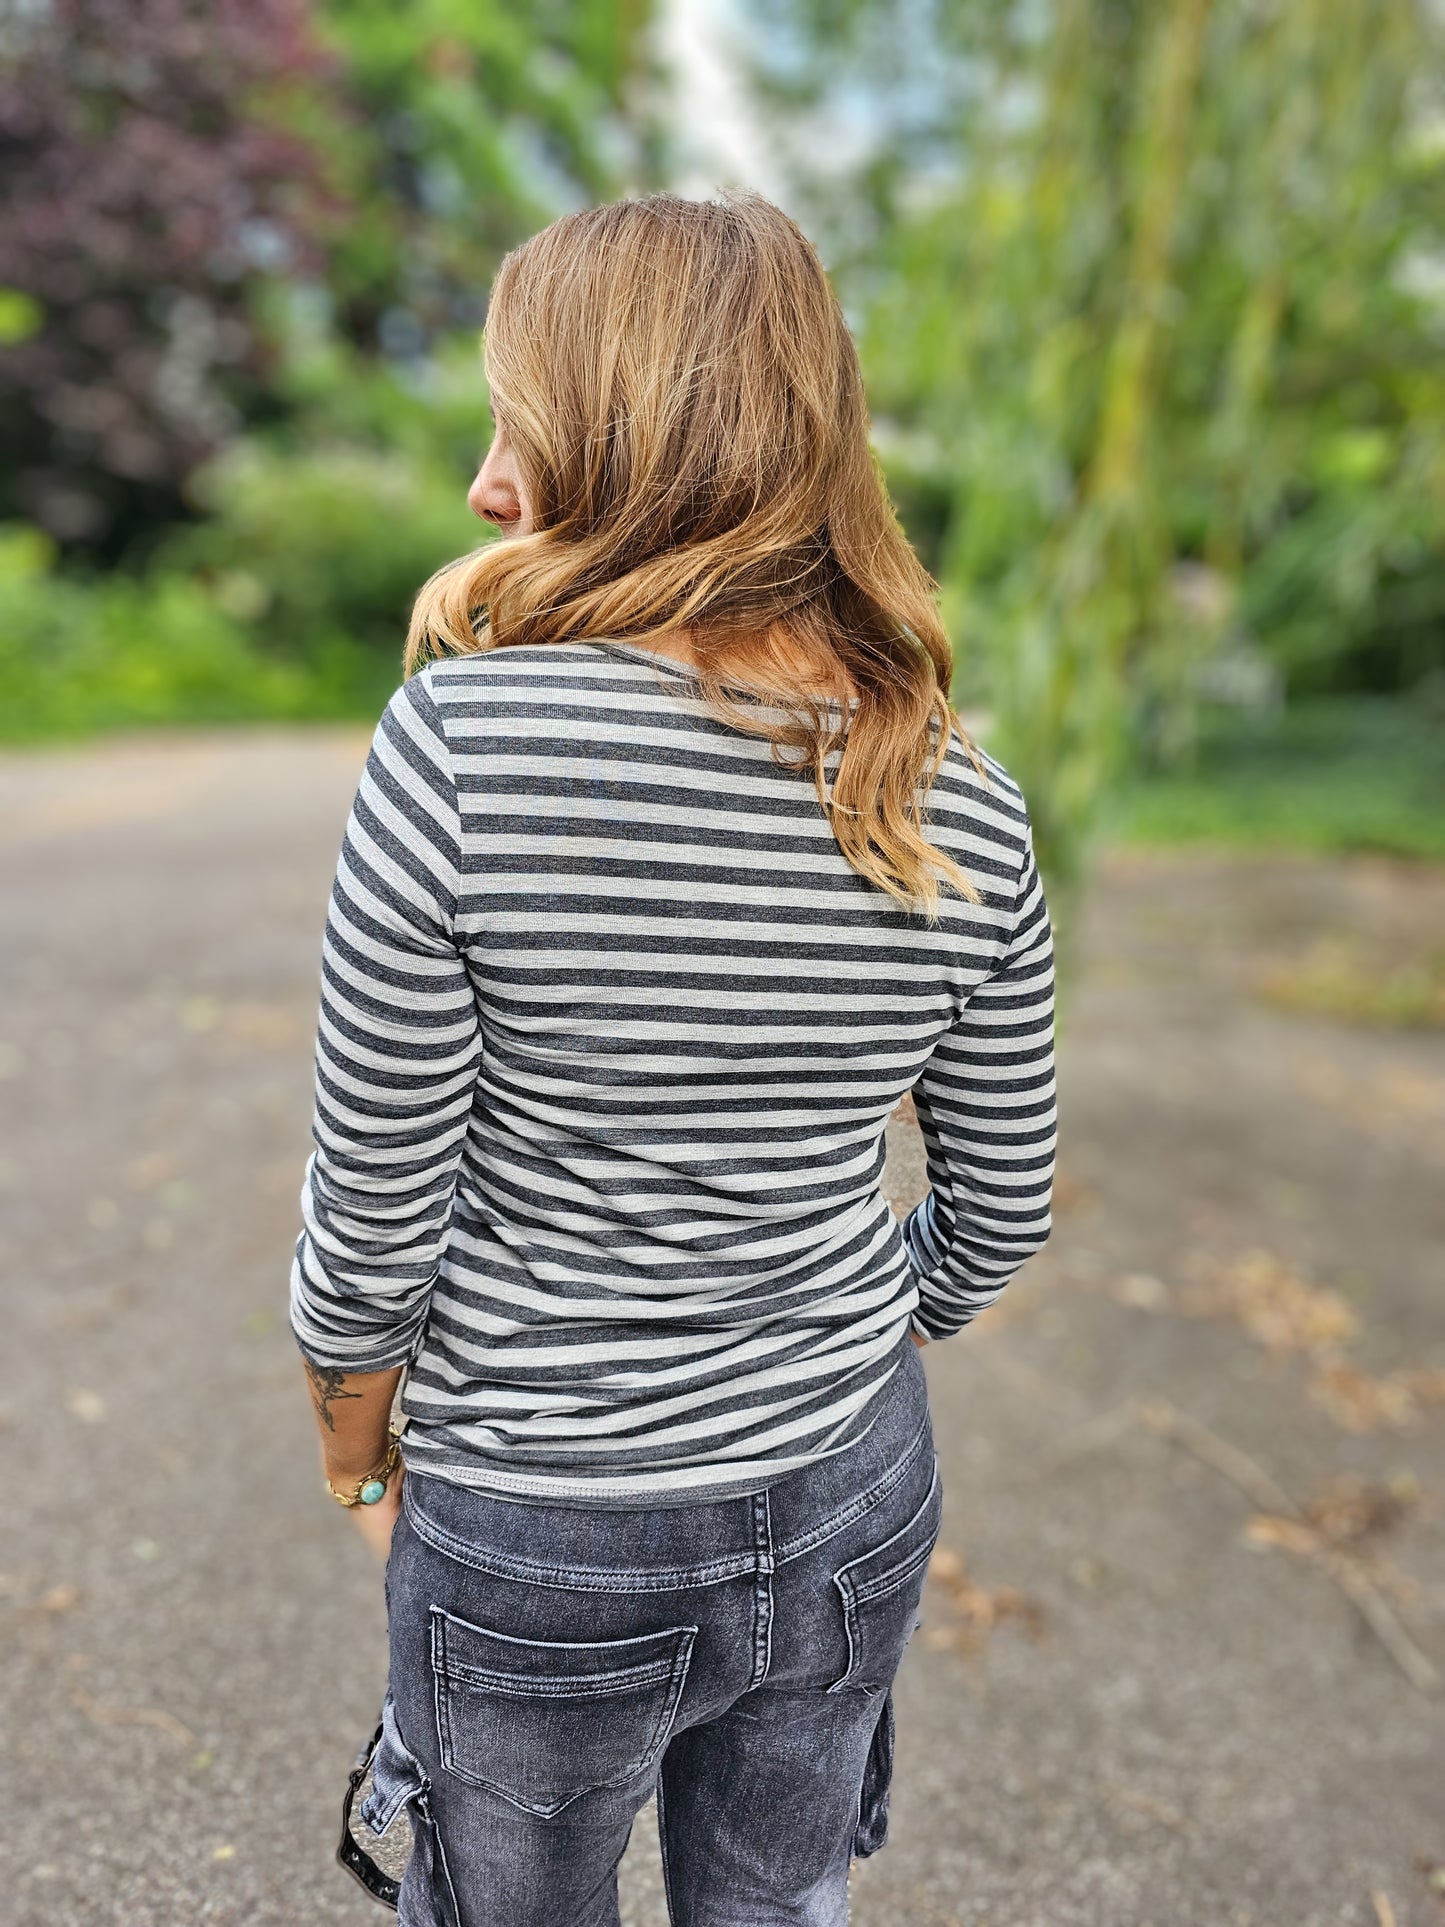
(1425, 1383)
(1072, 1193)
(1290, 1535)
(1305, 1541)
(1349, 1508)
(145, 1173)
(1277, 1305)
(264, 1026)
(1139, 1289)
(977, 1609)
(1143, 1803)
(46, 1605)
(1364, 1402)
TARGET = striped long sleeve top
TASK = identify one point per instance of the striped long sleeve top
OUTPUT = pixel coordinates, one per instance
(610, 1033)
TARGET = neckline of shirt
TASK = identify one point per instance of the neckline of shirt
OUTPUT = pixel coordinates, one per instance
(639, 652)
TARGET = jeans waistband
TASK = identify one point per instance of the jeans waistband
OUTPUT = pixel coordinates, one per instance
(656, 1549)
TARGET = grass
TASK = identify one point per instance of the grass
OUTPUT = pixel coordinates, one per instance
(1335, 978)
(1335, 775)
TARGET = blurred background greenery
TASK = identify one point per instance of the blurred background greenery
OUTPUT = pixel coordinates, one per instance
(1150, 294)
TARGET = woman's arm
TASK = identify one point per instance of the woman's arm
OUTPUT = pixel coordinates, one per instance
(986, 1106)
(353, 1416)
(397, 1053)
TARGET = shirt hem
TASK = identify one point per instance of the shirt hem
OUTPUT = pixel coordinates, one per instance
(622, 1492)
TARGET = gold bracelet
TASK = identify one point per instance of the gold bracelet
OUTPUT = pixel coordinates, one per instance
(371, 1489)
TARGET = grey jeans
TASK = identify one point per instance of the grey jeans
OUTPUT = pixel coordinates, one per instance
(553, 1666)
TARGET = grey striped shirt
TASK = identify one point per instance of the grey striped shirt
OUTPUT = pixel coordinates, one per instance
(609, 1035)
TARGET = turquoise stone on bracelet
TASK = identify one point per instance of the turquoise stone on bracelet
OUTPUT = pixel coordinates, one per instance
(372, 1491)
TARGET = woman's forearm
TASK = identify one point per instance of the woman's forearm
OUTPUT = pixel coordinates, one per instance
(353, 1410)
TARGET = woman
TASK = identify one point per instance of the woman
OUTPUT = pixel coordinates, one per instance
(669, 875)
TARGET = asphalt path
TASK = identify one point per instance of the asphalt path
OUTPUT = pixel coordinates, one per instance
(1182, 1645)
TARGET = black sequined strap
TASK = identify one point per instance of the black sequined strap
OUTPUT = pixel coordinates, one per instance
(351, 1854)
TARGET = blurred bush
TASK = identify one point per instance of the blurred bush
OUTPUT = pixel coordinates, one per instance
(1360, 772)
(92, 652)
(319, 537)
(286, 596)
(245, 260)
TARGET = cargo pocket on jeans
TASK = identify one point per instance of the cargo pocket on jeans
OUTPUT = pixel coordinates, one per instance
(880, 1593)
(541, 1722)
(872, 1830)
(399, 1784)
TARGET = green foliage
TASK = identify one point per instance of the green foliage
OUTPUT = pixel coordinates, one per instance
(331, 543)
(185, 175)
(469, 124)
(78, 654)
(324, 539)
(289, 595)
(21, 316)
(1151, 315)
(1334, 774)
(278, 579)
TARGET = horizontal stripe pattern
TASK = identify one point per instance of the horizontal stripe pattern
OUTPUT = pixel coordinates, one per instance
(609, 1036)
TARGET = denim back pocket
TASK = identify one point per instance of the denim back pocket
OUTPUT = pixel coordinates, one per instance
(881, 1591)
(542, 1722)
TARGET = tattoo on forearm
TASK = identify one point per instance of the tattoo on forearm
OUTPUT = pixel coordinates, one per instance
(327, 1385)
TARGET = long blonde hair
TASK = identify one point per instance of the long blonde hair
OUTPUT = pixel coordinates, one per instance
(685, 405)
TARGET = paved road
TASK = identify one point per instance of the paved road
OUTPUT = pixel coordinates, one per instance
(1127, 1707)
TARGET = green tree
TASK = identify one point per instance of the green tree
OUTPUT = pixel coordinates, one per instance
(192, 192)
(468, 124)
(1149, 305)
(149, 185)
(279, 552)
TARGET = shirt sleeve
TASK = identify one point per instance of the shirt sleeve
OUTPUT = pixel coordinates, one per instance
(986, 1106)
(397, 1053)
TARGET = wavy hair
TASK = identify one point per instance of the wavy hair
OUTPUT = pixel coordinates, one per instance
(685, 405)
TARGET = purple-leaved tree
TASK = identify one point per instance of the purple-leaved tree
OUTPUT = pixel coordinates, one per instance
(148, 181)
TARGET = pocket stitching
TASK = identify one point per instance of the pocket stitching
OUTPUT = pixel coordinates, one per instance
(859, 1508)
(891, 1580)
(582, 1686)
(442, 1671)
(844, 1573)
(854, 1592)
